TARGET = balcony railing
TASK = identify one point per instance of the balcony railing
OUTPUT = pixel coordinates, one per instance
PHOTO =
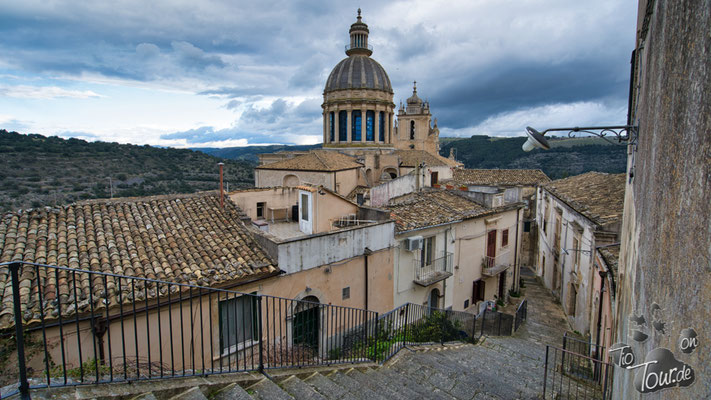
(437, 270)
(492, 266)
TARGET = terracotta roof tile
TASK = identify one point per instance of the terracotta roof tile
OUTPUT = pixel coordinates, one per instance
(316, 160)
(432, 207)
(503, 177)
(410, 158)
(598, 196)
(183, 238)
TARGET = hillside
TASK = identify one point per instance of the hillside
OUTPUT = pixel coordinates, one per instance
(565, 158)
(40, 171)
(249, 153)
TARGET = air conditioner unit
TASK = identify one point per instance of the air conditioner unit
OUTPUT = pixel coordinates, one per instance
(413, 243)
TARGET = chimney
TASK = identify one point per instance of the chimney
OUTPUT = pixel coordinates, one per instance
(222, 191)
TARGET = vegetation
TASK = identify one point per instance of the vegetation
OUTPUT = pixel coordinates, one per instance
(38, 171)
(567, 156)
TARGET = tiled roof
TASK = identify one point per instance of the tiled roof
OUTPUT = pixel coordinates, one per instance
(410, 158)
(432, 207)
(360, 189)
(504, 177)
(598, 196)
(316, 160)
(180, 238)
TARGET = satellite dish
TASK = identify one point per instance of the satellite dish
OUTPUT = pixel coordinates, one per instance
(535, 139)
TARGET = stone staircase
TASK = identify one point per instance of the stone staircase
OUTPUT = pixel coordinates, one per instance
(496, 368)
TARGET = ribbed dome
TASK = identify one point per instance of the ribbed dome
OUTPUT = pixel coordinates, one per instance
(358, 72)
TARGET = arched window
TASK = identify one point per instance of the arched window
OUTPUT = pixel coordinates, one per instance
(381, 122)
(412, 130)
(370, 125)
(331, 127)
(343, 126)
(355, 129)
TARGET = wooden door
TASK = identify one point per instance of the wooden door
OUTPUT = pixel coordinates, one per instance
(491, 244)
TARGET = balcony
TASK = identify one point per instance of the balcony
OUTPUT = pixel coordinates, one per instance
(438, 270)
(492, 266)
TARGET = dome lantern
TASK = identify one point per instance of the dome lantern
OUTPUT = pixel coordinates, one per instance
(359, 38)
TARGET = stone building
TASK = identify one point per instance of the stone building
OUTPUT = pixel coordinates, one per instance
(575, 216)
(359, 122)
(665, 254)
(452, 252)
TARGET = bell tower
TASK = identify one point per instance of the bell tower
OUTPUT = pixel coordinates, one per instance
(414, 130)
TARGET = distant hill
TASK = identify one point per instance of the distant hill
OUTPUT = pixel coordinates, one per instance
(250, 153)
(40, 171)
(567, 156)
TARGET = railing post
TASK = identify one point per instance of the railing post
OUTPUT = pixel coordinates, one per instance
(375, 336)
(483, 322)
(261, 337)
(404, 330)
(545, 374)
(19, 335)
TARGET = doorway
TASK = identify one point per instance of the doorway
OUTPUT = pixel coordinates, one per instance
(306, 322)
(502, 285)
(434, 298)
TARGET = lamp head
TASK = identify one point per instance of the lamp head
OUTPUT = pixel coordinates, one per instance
(535, 139)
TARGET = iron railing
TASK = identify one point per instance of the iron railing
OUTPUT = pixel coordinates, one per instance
(521, 314)
(569, 375)
(428, 273)
(73, 327)
(492, 266)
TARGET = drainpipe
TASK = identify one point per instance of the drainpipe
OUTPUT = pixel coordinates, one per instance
(603, 275)
(444, 282)
(366, 253)
(517, 271)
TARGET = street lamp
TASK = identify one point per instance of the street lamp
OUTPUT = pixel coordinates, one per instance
(624, 133)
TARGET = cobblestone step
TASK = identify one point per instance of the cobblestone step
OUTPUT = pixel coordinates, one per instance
(422, 388)
(232, 392)
(191, 394)
(357, 390)
(267, 390)
(300, 389)
(326, 387)
(372, 382)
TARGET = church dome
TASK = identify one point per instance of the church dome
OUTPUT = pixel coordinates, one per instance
(358, 72)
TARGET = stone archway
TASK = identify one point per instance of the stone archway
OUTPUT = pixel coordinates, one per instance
(291, 180)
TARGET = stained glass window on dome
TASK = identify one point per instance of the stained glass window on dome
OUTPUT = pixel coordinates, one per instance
(370, 125)
(355, 129)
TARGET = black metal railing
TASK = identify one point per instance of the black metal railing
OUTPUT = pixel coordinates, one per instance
(427, 273)
(61, 327)
(569, 375)
(74, 327)
(521, 314)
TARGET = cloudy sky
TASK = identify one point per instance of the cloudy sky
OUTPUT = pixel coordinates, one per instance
(227, 73)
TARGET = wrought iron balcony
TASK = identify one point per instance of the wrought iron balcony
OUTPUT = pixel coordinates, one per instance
(438, 270)
(492, 266)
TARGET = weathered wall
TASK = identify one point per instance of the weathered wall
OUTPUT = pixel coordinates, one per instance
(322, 249)
(666, 248)
(380, 195)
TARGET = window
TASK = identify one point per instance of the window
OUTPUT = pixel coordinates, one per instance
(238, 321)
(466, 303)
(434, 178)
(346, 293)
(505, 238)
(331, 127)
(355, 129)
(260, 209)
(370, 125)
(478, 291)
(343, 126)
(381, 123)
(412, 130)
(305, 206)
(576, 252)
(360, 199)
(426, 254)
(527, 226)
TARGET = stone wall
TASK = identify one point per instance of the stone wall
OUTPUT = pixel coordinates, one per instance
(666, 246)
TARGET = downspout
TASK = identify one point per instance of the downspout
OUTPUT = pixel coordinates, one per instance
(603, 275)
(334, 182)
(517, 267)
(366, 253)
(444, 282)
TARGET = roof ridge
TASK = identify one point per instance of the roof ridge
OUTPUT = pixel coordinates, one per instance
(315, 153)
